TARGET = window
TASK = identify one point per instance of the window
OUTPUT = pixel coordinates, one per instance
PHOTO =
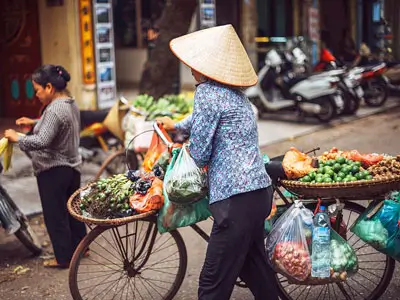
(134, 20)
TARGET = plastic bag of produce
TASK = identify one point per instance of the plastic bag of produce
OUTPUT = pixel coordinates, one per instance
(297, 164)
(186, 182)
(288, 243)
(152, 200)
(6, 149)
(378, 224)
(157, 147)
(173, 216)
(343, 257)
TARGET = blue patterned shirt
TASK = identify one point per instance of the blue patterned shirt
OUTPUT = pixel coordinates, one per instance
(223, 135)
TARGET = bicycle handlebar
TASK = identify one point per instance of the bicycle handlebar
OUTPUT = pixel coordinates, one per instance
(162, 136)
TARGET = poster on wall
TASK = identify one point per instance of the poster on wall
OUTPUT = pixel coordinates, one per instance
(207, 14)
(105, 53)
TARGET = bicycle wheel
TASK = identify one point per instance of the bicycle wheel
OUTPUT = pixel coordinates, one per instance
(114, 164)
(132, 261)
(370, 282)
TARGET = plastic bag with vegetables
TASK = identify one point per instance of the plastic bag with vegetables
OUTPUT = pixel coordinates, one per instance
(172, 215)
(152, 200)
(287, 244)
(379, 227)
(186, 182)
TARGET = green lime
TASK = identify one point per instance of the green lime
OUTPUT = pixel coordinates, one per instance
(330, 163)
(355, 169)
(369, 177)
(327, 168)
(346, 179)
(358, 176)
(341, 160)
(319, 179)
(349, 161)
(339, 179)
(328, 180)
(341, 174)
(357, 163)
(327, 176)
(306, 178)
(313, 181)
(345, 169)
(312, 175)
(337, 167)
(365, 173)
(330, 172)
(354, 178)
(320, 170)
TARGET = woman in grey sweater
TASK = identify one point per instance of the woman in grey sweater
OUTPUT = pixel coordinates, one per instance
(53, 147)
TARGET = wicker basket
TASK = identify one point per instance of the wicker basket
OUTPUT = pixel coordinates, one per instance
(356, 190)
(73, 207)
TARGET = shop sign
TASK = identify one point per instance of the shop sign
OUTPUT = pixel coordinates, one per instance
(313, 24)
(86, 31)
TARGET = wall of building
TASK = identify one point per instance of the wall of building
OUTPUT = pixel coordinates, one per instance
(59, 31)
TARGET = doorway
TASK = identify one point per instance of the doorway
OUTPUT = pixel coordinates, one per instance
(21, 55)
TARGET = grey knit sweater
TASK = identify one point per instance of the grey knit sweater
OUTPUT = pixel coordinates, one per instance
(55, 138)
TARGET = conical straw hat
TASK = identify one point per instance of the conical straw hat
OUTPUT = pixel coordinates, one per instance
(217, 53)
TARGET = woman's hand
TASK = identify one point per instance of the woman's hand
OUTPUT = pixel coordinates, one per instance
(25, 121)
(167, 123)
(11, 135)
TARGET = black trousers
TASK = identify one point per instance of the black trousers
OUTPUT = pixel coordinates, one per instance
(56, 185)
(236, 248)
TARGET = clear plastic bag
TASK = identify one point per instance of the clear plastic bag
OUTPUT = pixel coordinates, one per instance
(186, 182)
(288, 243)
(173, 216)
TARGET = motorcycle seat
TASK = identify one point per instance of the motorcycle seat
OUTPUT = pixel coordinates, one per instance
(290, 82)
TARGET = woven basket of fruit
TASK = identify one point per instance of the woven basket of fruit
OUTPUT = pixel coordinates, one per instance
(75, 209)
(344, 174)
(118, 200)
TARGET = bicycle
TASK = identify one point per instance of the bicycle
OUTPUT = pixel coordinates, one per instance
(129, 257)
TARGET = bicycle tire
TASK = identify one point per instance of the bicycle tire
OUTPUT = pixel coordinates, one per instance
(96, 232)
(385, 279)
(105, 167)
(28, 238)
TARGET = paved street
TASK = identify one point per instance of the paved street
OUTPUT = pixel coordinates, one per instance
(377, 133)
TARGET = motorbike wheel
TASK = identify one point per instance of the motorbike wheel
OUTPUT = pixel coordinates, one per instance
(376, 93)
(352, 104)
(328, 110)
(28, 238)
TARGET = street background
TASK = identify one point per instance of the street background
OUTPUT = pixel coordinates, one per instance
(376, 133)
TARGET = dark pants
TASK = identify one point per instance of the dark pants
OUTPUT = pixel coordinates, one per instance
(236, 248)
(56, 185)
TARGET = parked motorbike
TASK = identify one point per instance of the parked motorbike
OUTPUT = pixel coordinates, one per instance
(373, 82)
(281, 89)
(15, 222)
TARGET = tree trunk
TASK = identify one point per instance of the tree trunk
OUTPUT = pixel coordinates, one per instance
(162, 69)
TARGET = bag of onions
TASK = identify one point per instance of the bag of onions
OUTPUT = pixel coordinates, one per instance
(288, 243)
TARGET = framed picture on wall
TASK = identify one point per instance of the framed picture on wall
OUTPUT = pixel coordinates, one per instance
(103, 35)
(105, 55)
(105, 74)
(207, 2)
(103, 15)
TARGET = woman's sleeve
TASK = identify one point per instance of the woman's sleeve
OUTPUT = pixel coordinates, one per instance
(47, 132)
(205, 119)
(185, 124)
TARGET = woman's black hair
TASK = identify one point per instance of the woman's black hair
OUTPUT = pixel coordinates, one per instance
(56, 75)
